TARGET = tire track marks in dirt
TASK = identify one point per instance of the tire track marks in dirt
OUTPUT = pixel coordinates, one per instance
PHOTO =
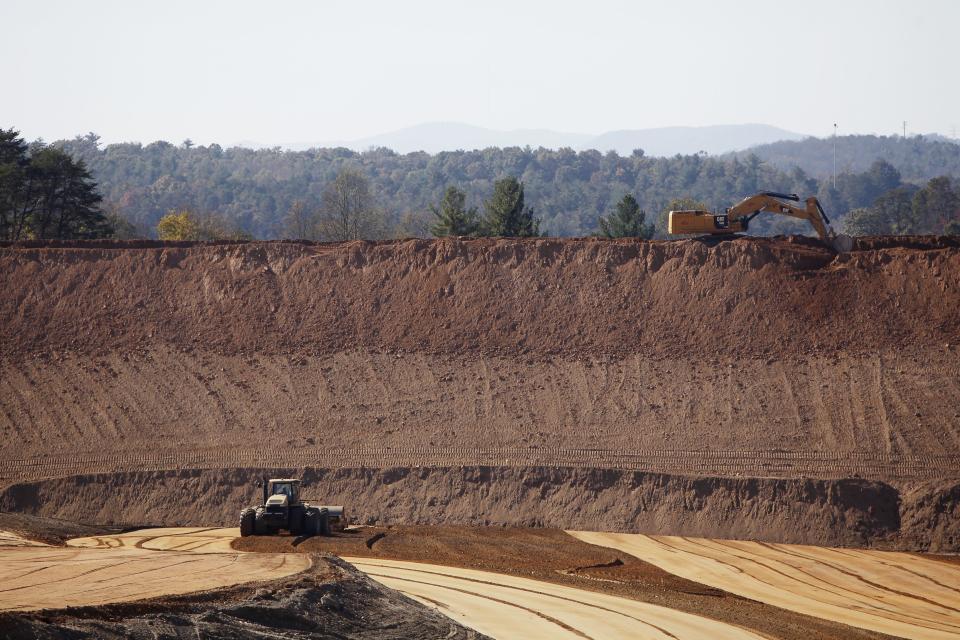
(893, 593)
(140, 564)
(580, 613)
(504, 603)
(815, 582)
(870, 583)
(714, 463)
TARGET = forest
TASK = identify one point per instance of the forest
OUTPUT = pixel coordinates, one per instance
(270, 193)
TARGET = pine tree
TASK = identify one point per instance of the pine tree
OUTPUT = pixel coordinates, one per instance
(45, 193)
(628, 221)
(506, 214)
(453, 218)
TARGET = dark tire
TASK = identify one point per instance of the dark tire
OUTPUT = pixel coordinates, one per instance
(259, 528)
(323, 523)
(248, 520)
(296, 525)
(311, 523)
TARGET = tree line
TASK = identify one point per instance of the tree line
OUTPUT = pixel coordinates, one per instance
(918, 158)
(207, 192)
(910, 210)
(255, 190)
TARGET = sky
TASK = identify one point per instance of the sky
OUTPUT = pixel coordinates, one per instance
(311, 71)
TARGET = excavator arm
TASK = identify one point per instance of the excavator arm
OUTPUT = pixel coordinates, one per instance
(737, 218)
(771, 202)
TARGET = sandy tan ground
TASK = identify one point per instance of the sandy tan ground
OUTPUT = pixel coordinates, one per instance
(154, 562)
(198, 540)
(96, 571)
(503, 606)
(11, 539)
(553, 556)
(894, 593)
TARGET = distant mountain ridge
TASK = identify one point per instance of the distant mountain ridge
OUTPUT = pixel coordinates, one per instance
(436, 137)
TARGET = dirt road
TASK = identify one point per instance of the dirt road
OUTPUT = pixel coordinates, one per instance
(895, 593)
(94, 571)
(504, 606)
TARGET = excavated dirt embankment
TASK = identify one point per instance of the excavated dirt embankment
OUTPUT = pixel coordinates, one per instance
(850, 512)
(751, 296)
(769, 358)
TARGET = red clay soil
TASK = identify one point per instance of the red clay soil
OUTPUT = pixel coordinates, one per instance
(683, 299)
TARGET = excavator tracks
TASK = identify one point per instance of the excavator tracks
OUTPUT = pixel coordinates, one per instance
(786, 464)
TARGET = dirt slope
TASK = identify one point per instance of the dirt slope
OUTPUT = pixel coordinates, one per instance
(770, 358)
(826, 512)
(681, 299)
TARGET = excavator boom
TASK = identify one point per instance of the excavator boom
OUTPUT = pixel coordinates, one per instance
(737, 219)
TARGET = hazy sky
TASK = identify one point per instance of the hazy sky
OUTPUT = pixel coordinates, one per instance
(306, 71)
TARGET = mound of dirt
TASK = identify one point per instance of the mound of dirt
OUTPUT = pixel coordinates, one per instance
(332, 600)
(49, 530)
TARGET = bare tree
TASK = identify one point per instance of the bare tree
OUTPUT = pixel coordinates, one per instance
(301, 221)
(348, 212)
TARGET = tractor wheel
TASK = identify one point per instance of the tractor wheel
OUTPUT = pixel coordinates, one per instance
(297, 523)
(311, 523)
(324, 522)
(259, 528)
(248, 519)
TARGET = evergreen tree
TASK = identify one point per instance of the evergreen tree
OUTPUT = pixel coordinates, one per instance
(45, 193)
(628, 221)
(506, 213)
(68, 205)
(453, 218)
(14, 207)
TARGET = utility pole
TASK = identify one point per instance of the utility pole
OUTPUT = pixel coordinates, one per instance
(904, 129)
(834, 156)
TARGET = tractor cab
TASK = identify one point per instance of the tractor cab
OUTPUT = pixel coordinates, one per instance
(283, 488)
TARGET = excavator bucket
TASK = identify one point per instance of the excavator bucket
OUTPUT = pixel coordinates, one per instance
(842, 243)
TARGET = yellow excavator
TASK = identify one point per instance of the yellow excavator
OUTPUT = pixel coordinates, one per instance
(737, 218)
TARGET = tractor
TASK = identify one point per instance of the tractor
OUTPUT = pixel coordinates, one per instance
(283, 509)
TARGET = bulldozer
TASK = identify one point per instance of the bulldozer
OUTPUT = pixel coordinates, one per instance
(737, 219)
(282, 508)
